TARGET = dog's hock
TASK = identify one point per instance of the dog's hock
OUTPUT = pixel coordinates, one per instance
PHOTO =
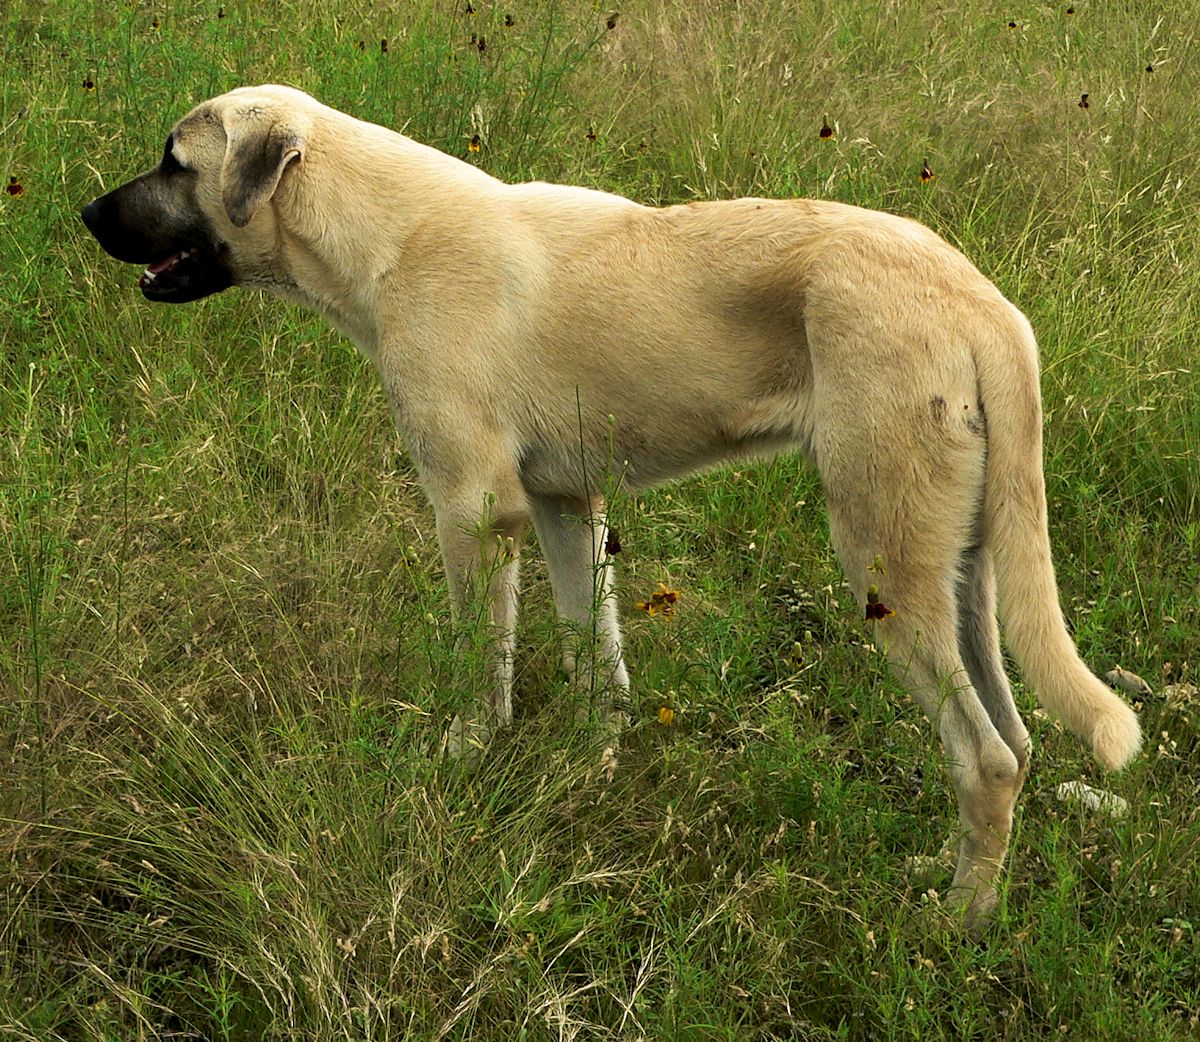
(257, 152)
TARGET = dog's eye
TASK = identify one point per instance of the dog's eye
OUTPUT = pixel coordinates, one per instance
(170, 164)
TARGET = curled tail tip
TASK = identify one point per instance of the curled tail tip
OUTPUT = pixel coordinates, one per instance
(1116, 736)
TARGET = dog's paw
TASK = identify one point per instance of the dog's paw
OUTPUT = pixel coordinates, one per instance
(603, 731)
(606, 721)
(957, 910)
(974, 907)
(466, 739)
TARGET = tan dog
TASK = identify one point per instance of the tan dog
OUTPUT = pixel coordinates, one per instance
(534, 337)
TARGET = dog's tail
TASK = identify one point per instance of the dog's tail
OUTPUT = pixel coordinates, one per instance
(1016, 533)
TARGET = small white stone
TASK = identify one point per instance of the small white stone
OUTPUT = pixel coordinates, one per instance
(1096, 800)
(1127, 681)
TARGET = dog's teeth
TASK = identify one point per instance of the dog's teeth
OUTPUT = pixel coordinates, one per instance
(149, 276)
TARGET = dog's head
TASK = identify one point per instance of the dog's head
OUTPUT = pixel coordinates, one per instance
(204, 219)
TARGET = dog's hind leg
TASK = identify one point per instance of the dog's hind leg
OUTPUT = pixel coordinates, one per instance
(921, 642)
(573, 534)
(903, 499)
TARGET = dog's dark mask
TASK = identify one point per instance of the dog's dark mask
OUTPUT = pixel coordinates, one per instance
(154, 220)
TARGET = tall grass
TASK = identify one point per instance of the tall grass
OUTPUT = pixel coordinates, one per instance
(226, 658)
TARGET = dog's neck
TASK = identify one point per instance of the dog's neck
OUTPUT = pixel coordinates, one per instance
(324, 222)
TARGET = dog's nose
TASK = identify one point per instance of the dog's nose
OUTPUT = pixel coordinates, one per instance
(91, 215)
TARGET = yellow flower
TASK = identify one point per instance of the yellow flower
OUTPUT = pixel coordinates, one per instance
(474, 144)
(666, 716)
(662, 601)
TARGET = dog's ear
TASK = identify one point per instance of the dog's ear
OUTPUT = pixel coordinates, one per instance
(258, 150)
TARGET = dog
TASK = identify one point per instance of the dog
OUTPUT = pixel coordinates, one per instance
(534, 338)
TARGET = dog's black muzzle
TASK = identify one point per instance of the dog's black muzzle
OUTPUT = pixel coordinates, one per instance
(183, 263)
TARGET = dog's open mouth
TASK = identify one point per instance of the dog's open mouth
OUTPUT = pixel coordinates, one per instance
(163, 266)
(186, 262)
(184, 276)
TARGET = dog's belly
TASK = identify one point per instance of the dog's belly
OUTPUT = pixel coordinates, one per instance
(594, 452)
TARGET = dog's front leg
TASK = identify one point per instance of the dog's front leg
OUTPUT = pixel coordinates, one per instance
(573, 533)
(481, 548)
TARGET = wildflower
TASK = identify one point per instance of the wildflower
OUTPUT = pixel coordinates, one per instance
(1012, 25)
(14, 187)
(89, 84)
(666, 716)
(608, 765)
(876, 609)
(662, 601)
(927, 175)
(474, 144)
(826, 131)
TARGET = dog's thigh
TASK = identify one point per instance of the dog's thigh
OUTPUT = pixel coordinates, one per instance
(904, 497)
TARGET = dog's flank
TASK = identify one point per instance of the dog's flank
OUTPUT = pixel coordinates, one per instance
(532, 338)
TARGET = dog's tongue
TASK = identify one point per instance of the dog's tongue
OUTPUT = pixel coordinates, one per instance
(162, 265)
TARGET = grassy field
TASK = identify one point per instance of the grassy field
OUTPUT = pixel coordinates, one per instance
(226, 656)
